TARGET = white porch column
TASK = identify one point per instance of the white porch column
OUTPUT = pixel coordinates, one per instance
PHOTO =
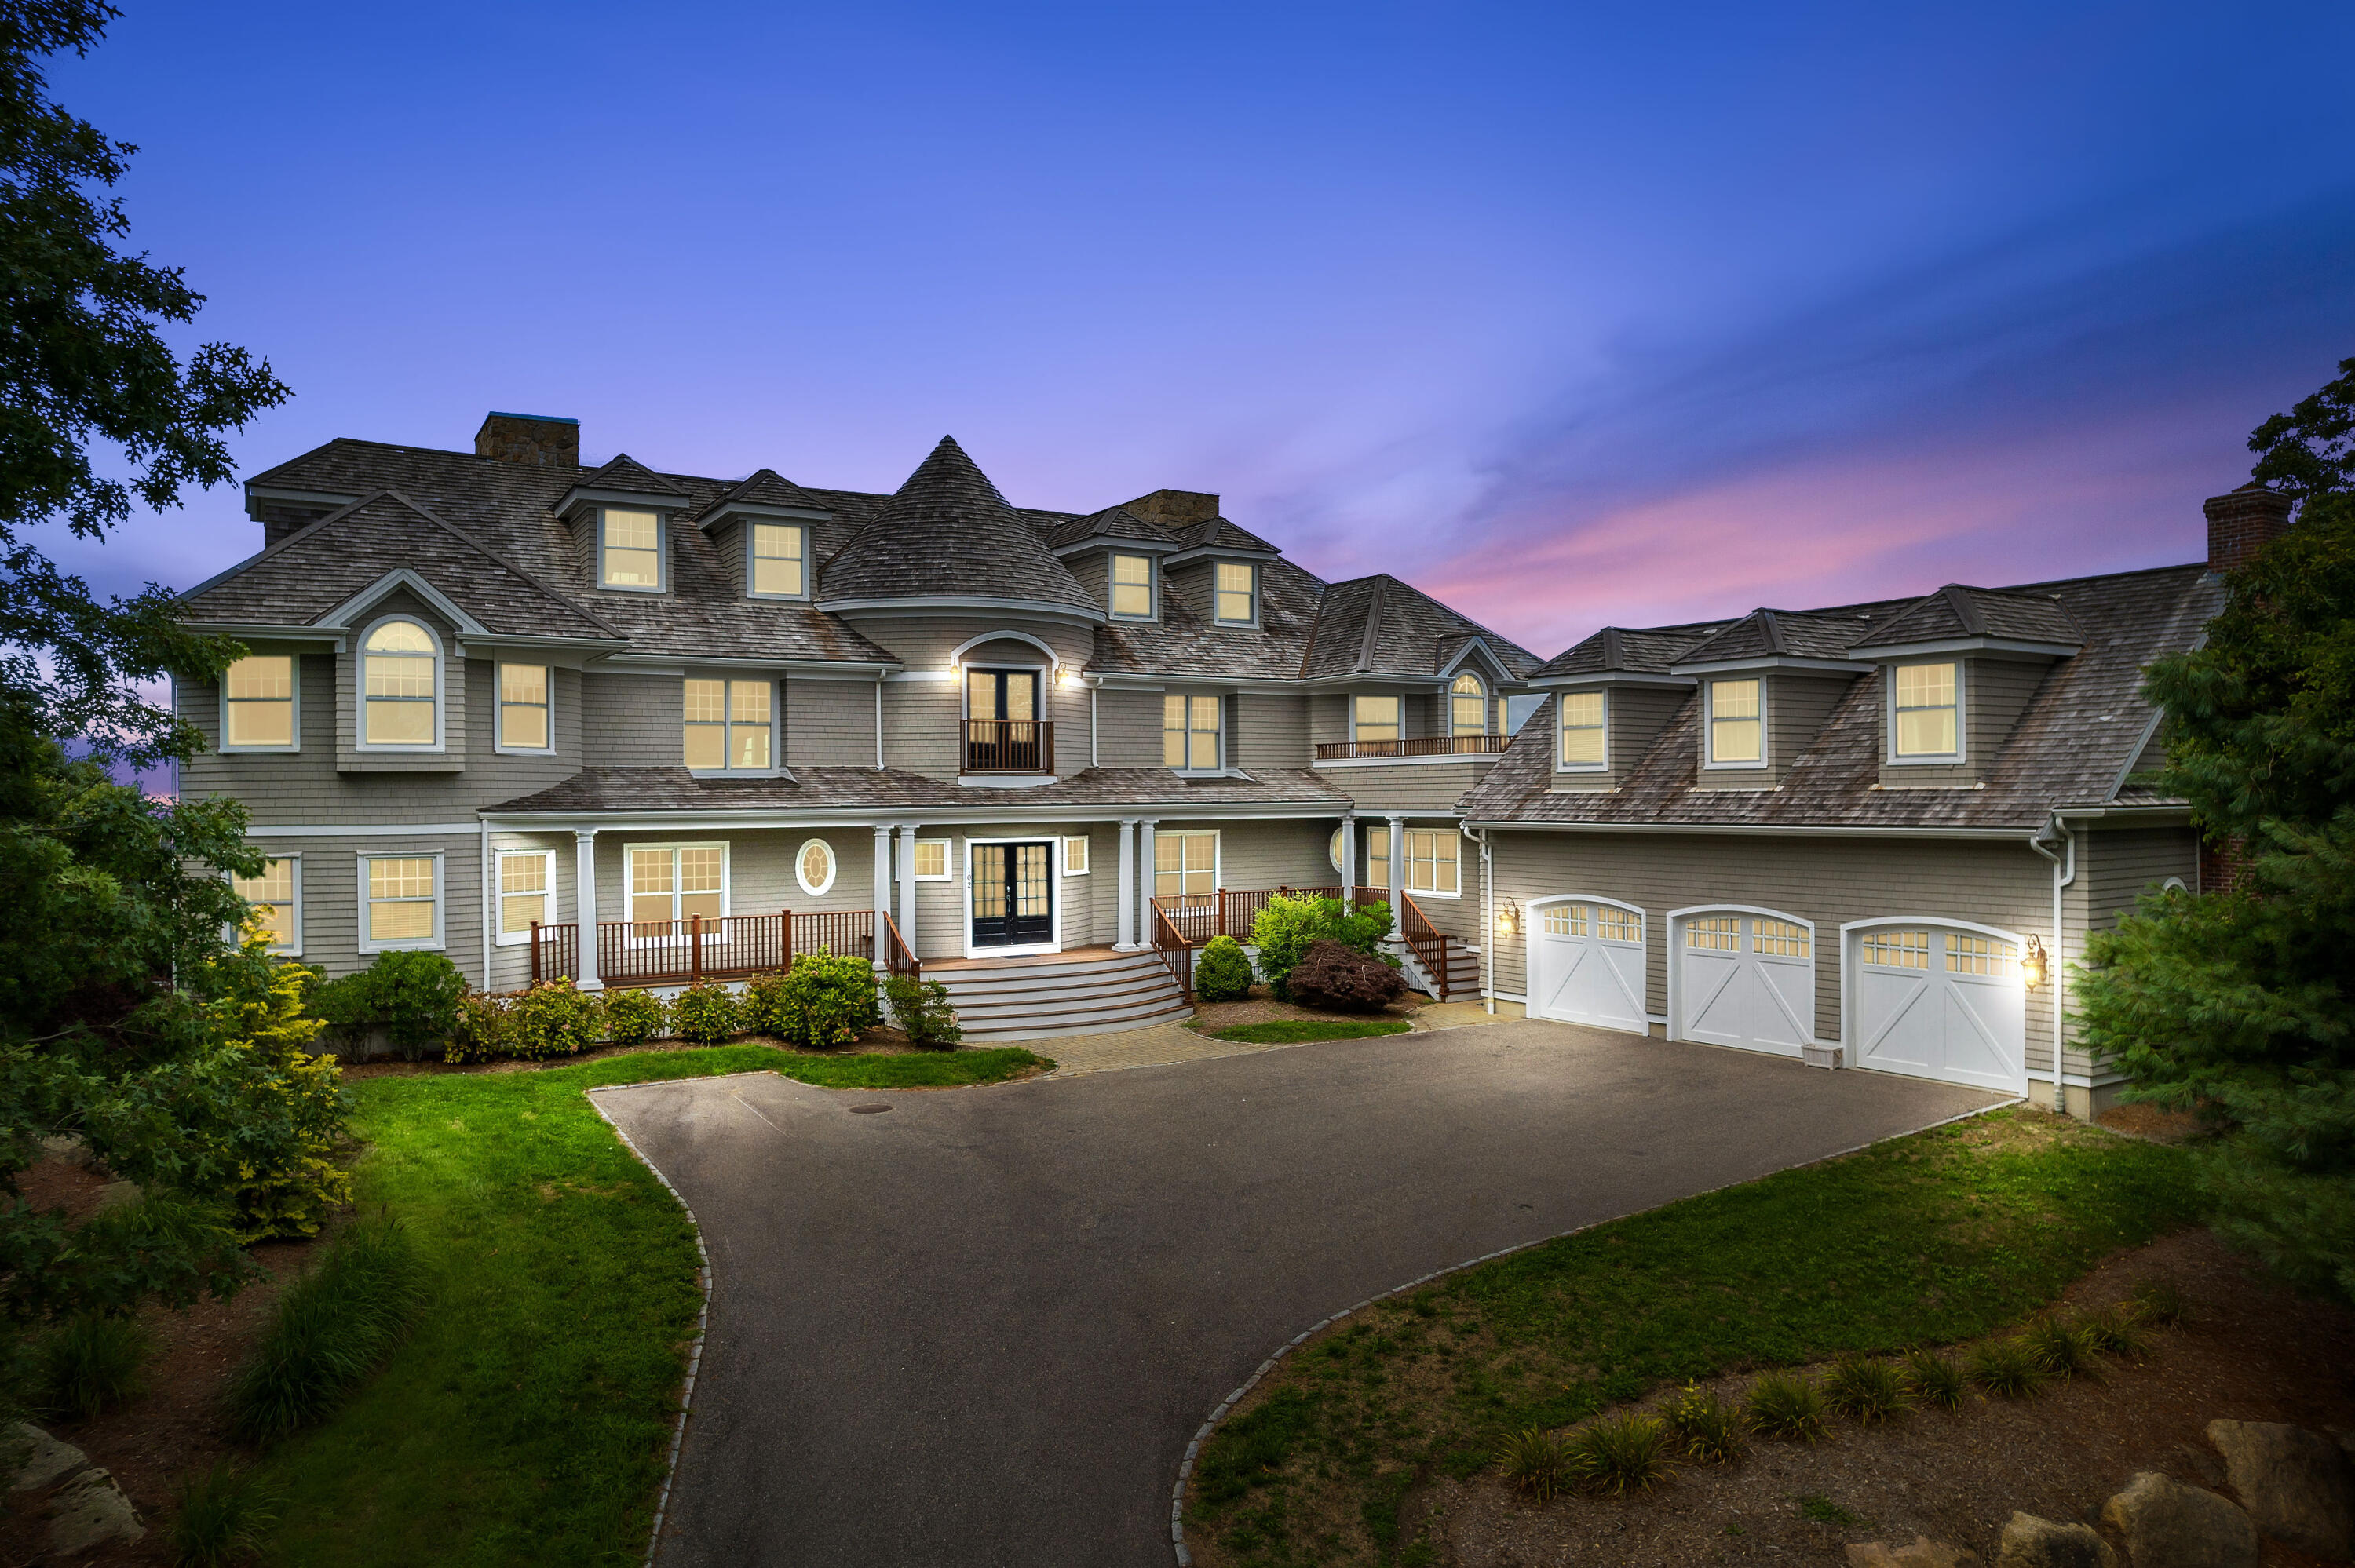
(1144, 863)
(1397, 870)
(1348, 855)
(1126, 941)
(881, 886)
(908, 884)
(584, 904)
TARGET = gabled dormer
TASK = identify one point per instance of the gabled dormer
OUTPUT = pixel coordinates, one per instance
(620, 517)
(765, 531)
(1766, 684)
(1957, 669)
(1613, 694)
(1215, 568)
(1116, 555)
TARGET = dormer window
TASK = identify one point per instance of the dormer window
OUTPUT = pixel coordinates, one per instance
(1237, 594)
(1467, 706)
(1737, 726)
(780, 560)
(1132, 587)
(1926, 718)
(629, 549)
(400, 686)
(1583, 743)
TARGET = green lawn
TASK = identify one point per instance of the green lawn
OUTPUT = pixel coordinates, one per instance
(527, 1418)
(1945, 1235)
(1291, 1031)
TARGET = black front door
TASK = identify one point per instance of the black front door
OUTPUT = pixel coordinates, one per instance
(1013, 895)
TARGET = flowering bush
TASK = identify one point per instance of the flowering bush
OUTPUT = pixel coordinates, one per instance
(707, 1013)
(633, 1017)
(486, 1028)
(554, 1018)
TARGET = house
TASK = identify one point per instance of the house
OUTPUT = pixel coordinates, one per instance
(1873, 834)
(639, 728)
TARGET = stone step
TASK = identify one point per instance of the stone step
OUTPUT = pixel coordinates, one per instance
(1055, 989)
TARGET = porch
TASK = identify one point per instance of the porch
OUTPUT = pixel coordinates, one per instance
(1185, 923)
(632, 954)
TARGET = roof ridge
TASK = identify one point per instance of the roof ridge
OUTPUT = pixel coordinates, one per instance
(481, 549)
(1372, 639)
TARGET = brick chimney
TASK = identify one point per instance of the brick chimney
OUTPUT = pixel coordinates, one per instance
(2241, 523)
(532, 440)
(1176, 508)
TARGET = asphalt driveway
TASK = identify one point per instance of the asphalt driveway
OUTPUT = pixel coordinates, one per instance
(980, 1328)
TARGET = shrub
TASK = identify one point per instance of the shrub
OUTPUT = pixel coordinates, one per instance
(412, 996)
(765, 1000)
(223, 1516)
(485, 1029)
(1343, 981)
(289, 1110)
(555, 1018)
(823, 1001)
(1620, 1454)
(1704, 1427)
(633, 1017)
(707, 1012)
(1537, 1462)
(2158, 1303)
(924, 1011)
(2004, 1367)
(89, 1364)
(1784, 1404)
(1223, 972)
(1934, 1379)
(1865, 1390)
(329, 1330)
(2062, 1348)
(1287, 927)
(2116, 1331)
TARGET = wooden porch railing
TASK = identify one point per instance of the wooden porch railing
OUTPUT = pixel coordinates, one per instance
(898, 958)
(1232, 912)
(1418, 746)
(681, 952)
(1009, 745)
(1428, 942)
(1175, 951)
(555, 952)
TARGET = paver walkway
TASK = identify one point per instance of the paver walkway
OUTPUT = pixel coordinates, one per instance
(979, 1328)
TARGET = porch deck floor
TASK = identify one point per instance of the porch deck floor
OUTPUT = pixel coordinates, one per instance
(1100, 953)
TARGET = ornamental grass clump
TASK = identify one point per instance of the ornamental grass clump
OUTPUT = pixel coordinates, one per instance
(88, 1364)
(2158, 1303)
(1787, 1405)
(2114, 1331)
(330, 1329)
(1621, 1454)
(2062, 1348)
(1937, 1380)
(2005, 1368)
(1538, 1462)
(706, 1013)
(1707, 1429)
(223, 1515)
(635, 1017)
(1865, 1389)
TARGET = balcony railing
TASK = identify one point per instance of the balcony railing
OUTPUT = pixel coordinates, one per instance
(1009, 745)
(1418, 746)
(681, 952)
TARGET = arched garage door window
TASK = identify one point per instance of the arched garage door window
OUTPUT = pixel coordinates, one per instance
(1586, 962)
(1936, 999)
(1743, 977)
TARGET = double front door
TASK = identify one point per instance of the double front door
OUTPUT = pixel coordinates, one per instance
(1013, 894)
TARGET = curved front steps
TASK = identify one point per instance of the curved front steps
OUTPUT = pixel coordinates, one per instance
(1096, 992)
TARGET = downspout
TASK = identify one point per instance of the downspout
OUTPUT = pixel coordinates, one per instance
(879, 722)
(2063, 873)
(489, 912)
(1091, 724)
(1487, 919)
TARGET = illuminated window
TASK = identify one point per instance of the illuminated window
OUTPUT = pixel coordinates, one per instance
(522, 707)
(1898, 949)
(400, 674)
(1373, 718)
(1737, 731)
(1980, 956)
(276, 896)
(1238, 593)
(1189, 731)
(1716, 934)
(258, 703)
(403, 909)
(1332, 846)
(1617, 925)
(1927, 717)
(931, 860)
(1582, 729)
(1132, 587)
(1378, 857)
(727, 726)
(526, 890)
(1566, 920)
(629, 549)
(1075, 855)
(1184, 863)
(1778, 939)
(1431, 864)
(814, 866)
(673, 882)
(780, 561)
(1467, 706)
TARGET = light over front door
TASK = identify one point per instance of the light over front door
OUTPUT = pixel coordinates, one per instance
(1013, 894)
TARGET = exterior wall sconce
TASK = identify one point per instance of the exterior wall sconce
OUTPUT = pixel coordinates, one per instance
(2035, 964)
(1509, 918)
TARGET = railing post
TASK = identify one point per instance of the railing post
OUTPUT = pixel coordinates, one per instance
(786, 916)
(535, 954)
(695, 949)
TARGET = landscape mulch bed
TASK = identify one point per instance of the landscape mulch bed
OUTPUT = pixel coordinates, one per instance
(1210, 1017)
(2249, 1352)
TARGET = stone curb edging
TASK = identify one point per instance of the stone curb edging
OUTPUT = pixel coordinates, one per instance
(1202, 1433)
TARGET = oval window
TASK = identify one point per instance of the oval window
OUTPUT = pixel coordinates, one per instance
(814, 866)
(1333, 848)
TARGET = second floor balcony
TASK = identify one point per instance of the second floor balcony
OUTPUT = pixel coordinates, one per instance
(1487, 745)
(1009, 745)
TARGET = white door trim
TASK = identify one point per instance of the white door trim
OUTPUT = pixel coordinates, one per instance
(1054, 943)
(1632, 992)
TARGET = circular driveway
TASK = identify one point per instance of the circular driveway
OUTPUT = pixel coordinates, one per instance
(980, 1329)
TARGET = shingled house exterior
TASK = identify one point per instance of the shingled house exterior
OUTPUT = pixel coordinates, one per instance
(1869, 835)
(637, 728)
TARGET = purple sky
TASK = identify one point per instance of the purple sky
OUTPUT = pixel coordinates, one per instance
(1571, 315)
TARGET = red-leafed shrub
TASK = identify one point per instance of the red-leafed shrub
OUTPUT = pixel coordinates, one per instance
(1342, 979)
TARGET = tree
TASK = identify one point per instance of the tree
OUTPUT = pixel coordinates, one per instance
(2240, 1004)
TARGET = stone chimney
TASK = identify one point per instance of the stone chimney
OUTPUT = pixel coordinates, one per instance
(2241, 523)
(531, 440)
(1176, 508)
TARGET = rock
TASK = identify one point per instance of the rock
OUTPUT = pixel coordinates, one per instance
(2170, 1525)
(114, 1194)
(65, 1148)
(2033, 1542)
(41, 1459)
(1924, 1554)
(2295, 1484)
(90, 1511)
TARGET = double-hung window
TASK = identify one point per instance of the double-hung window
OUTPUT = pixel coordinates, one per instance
(1467, 706)
(780, 560)
(1189, 731)
(1378, 857)
(629, 549)
(1132, 587)
(524, 708)
(1926, 714)
(258, 703)
(400, 676)
(1075, 854)
(1737, 725)
(674, 881)
(1583, 743)
(526, 892)
(277, 899)
(404, 901)
(1184, 863)
(1237, 594)
(1431, 864)
(727, 726)
(1373, 718)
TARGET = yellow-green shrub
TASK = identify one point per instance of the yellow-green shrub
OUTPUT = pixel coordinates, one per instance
(555, 1018)
(707, 1013)
(633, 1017)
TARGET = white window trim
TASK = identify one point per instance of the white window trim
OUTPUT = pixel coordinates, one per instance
(832, 868)
(751, 559)
(360, 741)
(1218, 858)
(948, 863)
(499, 711)
(1561, 707)
(1488, 705)
(293, 951)
(775, 770)
(1406, 865)
(1087, 854)
(1709, 727)
(727, 877)
(1255, 590)
(1399, 726)
(295, 709)
(432, 944)
(662, 551)
(500, 934)
(1152, 586)
(1889, 720)
(1054, 942)
(1217, 770)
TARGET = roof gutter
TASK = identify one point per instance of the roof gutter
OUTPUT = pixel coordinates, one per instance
(1985, 835)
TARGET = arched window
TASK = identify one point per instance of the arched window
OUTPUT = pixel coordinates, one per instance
(400, 686)
(1467, 706)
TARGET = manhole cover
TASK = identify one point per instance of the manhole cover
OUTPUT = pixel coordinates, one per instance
(867, 1111)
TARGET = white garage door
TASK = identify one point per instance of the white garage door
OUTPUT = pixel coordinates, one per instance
(1743, 977)
(1938, 1001)
(1586, 963)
